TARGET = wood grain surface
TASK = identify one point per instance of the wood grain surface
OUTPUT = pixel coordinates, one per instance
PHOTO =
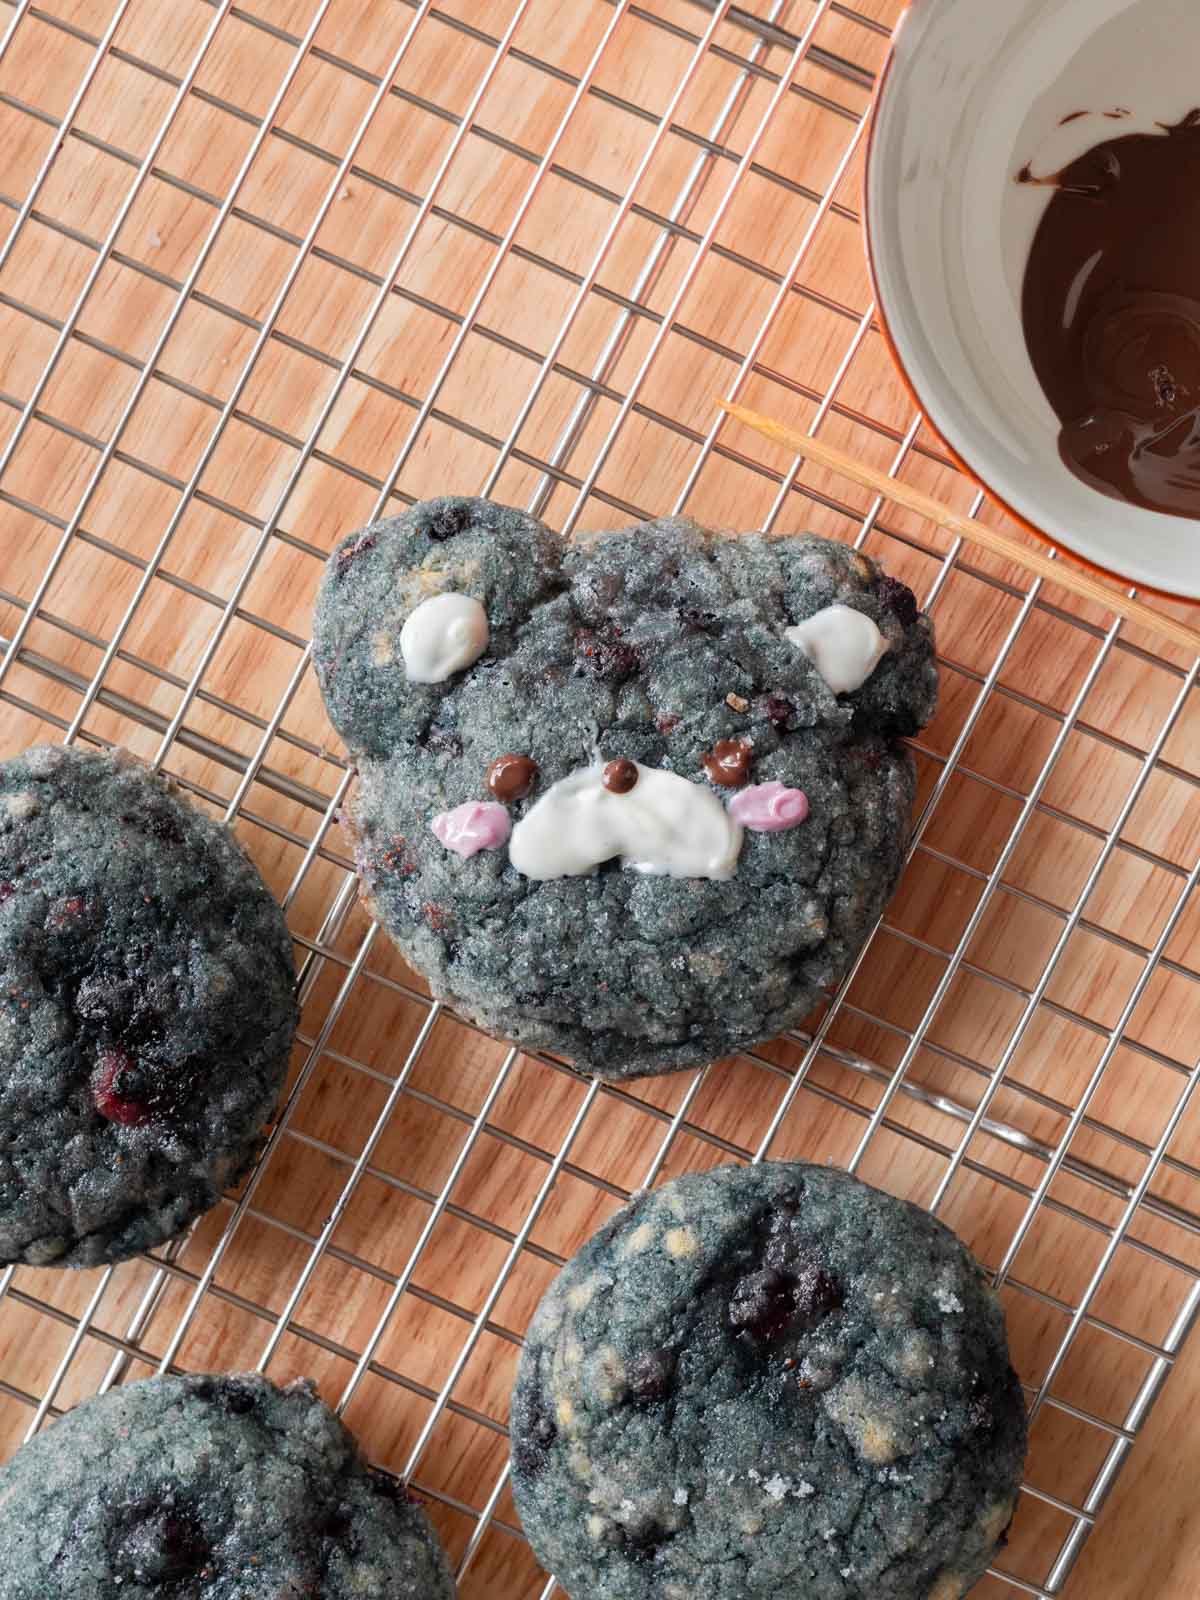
(177, 617)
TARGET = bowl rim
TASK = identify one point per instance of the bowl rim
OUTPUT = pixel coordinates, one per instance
(973, 474)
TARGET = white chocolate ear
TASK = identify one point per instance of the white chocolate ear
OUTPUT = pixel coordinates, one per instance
(443, 635)
(844, 645)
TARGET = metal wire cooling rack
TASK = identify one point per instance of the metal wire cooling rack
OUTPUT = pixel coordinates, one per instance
(272, 267)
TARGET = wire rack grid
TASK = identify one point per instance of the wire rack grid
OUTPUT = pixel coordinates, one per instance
(272, 268)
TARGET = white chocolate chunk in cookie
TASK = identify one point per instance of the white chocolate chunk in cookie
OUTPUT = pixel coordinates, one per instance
(948, 1587)
(582, 1295)
(870, 1431)
(22, 806)
(681, 1242)
(640, 1239)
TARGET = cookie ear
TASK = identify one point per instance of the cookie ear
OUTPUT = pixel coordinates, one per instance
(383, 670)
(900, 696)
(838, 597)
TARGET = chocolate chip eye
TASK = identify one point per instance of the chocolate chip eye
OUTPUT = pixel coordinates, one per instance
(511, 777)
(728, 762)
(619, 777)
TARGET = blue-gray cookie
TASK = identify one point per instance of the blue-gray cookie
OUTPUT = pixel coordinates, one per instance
(665, 646)
(765, 1382)
(147, 1007)
(209, 1488)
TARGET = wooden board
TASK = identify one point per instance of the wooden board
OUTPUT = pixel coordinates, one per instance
(218, 452)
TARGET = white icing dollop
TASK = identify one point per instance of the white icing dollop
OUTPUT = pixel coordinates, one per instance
(443, 635)
(665, 825)
(844, 645)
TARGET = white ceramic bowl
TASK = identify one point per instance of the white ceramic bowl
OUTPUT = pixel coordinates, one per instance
(975, 89)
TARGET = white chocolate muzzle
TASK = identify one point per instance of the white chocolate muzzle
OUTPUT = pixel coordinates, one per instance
(664, 825)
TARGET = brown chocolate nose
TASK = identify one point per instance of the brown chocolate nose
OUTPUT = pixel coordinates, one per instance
(511, 777)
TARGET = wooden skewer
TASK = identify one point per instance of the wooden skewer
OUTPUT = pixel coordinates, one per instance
(1000, 544)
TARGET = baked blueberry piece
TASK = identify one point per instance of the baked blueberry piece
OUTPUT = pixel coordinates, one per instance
(147, 1005)
(198, 1488)
(761, 1383)
(637, 799)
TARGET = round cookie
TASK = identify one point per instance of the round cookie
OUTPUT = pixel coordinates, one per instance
(761, 1382)
(712, 901)
(209, 1488)
(147, 1007)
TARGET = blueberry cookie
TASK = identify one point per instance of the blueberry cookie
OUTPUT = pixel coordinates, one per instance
(765, 1382)
(636, 799)
(147, 1006)
(209, 1489)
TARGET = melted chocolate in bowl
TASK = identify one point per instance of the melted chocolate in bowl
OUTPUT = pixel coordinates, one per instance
(1111, 310)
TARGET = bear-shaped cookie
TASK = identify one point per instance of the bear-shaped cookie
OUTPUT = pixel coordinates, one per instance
(635, 799)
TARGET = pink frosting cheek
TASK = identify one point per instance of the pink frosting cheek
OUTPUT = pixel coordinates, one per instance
(769, 807)
(473, 826)
(789, 808)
